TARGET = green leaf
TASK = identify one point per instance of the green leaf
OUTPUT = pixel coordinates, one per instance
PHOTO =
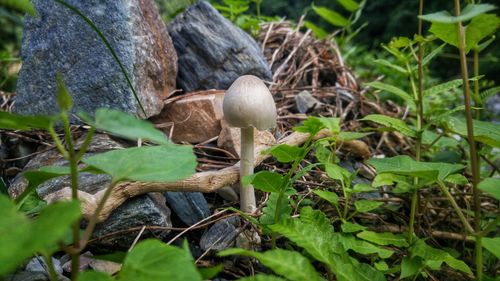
(349, 242)
(384, 238)
(444, 87)
(348, 136)
(319, 32)
(37, 177)
(469, 12)
(491, 186)
(10, 121)
(405, 165)
(394, 90)
(210, 272)
(289, 264)
(381, 266)
(349, 5)
(90, 275)
(479, 28)
(311, 125)
(485, 132)
(286, 153)
(348, 227)
(337, 173)
(492, 245)
(262, 277)
(269, 210)
(362, 187)
(164, 163)
(410, 267)
(428, 253)
(432, 54)
(154, 260)
(23, 6)
(456, 179)
(331, 123)
(391, 65)
(330, 16)
(266, 181)
(391, 123)
(489, 92)
(64, 99)
(446, 32)
(364, 206)
(329, 196)
(124, 125)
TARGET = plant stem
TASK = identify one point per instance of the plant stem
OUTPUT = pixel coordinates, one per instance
(455, 206)
(73, 163)
(472, 146)
(247, 194)
(50, 267)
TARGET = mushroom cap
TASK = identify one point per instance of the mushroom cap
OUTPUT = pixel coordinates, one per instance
(248, 102)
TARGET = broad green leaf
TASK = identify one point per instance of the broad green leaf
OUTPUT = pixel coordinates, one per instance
(428, 253)
(362, 187)
(364, 206)
(485, 132)
(391, 65)
(479, 28)
(286, 153)
(381, 266)
(336, 172)
(469, 12)
(37, 177)
(444, 87)
(262, 277)
(10, 121)
(329, 196)
(162, 163)
(347, 268)
(348, 227)
(382, 179)
(289, 264)
(331, 123)
(348, 136)
(154, 260)
(405, 165)
(410, 267)
(330, 16)
(284, 209)
(208, 273)
(90, 275)
(384, 238)
(349, 242)
(492, 245)
(319, 32)
(394, 90)
(456, 179)
(446, 32)
(391, 123)
(312, 126)
(124, 125)
(266, 181)
(64, 99)
(349, 5)
(491, 186)
(23, 6)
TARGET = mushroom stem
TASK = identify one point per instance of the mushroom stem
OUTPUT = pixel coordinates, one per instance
(247, 195)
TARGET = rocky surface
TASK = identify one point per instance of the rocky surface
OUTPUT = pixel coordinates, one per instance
(212, 51)
(60, 41)
(190, 207)
(222, 235)
(305, 102)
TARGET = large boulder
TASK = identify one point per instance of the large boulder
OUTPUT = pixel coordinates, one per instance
(212, 51)
(58, 40)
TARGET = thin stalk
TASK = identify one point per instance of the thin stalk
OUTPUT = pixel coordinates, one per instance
(455, 206)
(86, 143)
(247, 193)
(50, 268)
(472, 145)
(73, 163)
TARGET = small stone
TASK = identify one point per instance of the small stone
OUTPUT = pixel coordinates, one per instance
(222, 235)
(108, 267)
(194, 118)
(37, 264)
(305, 102)
(190, 207)
(57, 40)
(85, 259)
(229, 193)
(212, 51)
(230, 139)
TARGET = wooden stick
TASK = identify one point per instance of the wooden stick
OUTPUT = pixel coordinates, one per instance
(209, 181)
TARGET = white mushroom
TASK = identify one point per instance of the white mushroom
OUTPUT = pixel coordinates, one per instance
(248, 104)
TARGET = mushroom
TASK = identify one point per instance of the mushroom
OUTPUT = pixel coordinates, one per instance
(248, 104)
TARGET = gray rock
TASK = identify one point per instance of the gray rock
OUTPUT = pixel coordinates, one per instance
(190, 207)
(28, 276)
(60, 41)
(212, 51)
(305, 102)
(37, 264)
(143, 210)
(222, 235)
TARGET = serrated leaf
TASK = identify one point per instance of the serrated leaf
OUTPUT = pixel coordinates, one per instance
(469, 12)
(492, 245)
(283, 262)
(491, 186)
(432, 54)
(329, 196)
(23, 6)
(349, 5)
(428, 253)
(383, 238)
(443, 87)
(154, 260)
(330, 16)
(489, 92)
(64, 99)
(164, 163)
(393, 90)
(348, 227)
(285, 153)
(124, 125)
(349, 242)
(265, 181)
(405, 165)
(269, 210)
(485, 132)
(364, 206)
(391, 123)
